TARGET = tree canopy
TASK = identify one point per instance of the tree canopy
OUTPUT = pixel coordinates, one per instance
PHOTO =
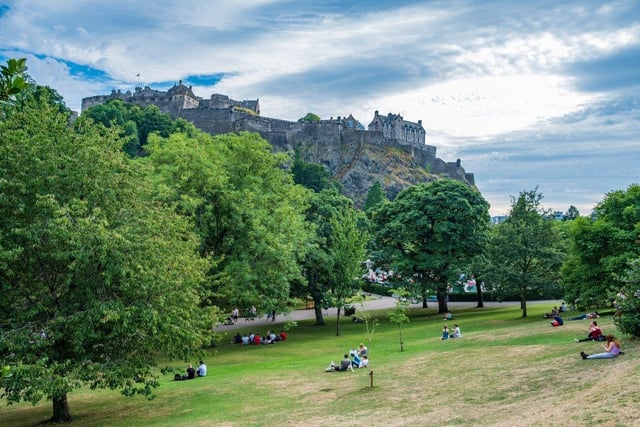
(248, 213)
(525, 252)
(603, 249)
(429, 232)
(97, 276)
(137, 123)
(309, 118)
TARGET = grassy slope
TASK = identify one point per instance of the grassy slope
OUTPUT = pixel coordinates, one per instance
(505, 371)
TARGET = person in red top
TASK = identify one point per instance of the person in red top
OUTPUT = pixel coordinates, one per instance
(595, 333)
(283, 336)
(256, 339)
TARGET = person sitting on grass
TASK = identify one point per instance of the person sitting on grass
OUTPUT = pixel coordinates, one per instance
(202, 370)
(345, 364)
(191, 373)
(448, 316)
(283, 335)
(595, 333)
(612, 348)
(364, 362)
(445, 333)
(363, 350)
(237, 338)
(557, 321)
(456, 332)
(355, 358)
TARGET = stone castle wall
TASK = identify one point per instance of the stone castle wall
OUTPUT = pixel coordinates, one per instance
(218, 117)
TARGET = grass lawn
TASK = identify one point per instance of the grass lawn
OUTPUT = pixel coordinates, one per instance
(504, 371)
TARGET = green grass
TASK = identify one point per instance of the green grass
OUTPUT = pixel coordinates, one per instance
(504, 371)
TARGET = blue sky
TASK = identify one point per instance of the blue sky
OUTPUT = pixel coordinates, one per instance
(539, 94)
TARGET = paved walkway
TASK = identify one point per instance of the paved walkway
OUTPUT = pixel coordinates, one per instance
(376, 303)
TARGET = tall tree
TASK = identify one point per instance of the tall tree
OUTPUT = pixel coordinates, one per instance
(97, 278)
(247, 210)
(629, 300)
(430, 231)
(333, 263)
(525, 251)
(602, 248)
(375, 197)
(571, 214)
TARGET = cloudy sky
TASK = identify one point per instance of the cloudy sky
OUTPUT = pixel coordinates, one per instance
(527, 94)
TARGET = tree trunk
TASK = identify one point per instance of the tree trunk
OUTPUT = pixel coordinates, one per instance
(61, 412)
(479, 293)
(442, 302)
(319, 317)
(338, 321)
(317, 307)
(523, 303)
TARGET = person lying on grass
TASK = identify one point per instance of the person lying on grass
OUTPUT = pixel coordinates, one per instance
(345, 364)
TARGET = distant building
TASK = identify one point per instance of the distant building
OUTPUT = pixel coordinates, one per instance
(395, 127)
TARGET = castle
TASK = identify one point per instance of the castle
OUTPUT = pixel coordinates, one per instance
(220, 114)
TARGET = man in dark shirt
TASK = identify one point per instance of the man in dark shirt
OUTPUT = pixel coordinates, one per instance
(191, 373)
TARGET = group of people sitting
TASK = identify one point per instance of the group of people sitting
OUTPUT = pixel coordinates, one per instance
(556, 311)
(455, 334)
(612, 347)
(356, 358)
(192, 373)
(255, 339)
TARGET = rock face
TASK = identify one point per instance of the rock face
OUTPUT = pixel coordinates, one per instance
(357, 165)
(392, 150)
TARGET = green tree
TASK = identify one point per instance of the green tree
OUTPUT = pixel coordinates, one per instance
(247, 210)
(375, 197)
(309, 118)
(334, 260)
(398, 314)
(602, 249)
(629, 300)
(97, 278)
(136, 123)
(571, 214)
(525, 251)
(312, 176)
(12, 78)
(430, 232)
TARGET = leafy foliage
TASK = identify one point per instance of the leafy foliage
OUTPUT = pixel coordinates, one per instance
(333, 261)
(429, 232)
(96, 276)
(248, 213)
(135, 122)
(309, 118)
(12, 78)
(312, 176)
(375, 197)
(603, 249)
(525, 251)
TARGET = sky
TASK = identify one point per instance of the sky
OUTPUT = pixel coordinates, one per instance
(528, 94)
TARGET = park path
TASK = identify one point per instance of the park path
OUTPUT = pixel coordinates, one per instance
(377, 302)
